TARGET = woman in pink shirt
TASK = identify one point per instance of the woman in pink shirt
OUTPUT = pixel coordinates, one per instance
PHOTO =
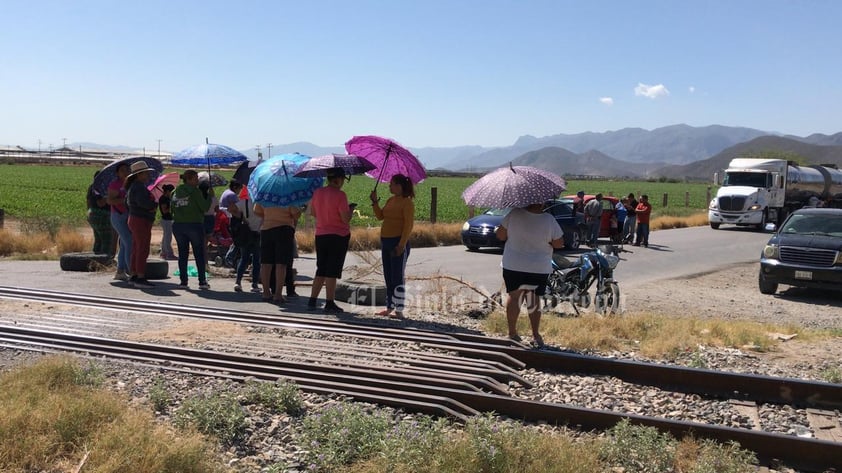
(333, 232)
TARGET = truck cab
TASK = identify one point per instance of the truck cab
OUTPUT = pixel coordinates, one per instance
(751, 194)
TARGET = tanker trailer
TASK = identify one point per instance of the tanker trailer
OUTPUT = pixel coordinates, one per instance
(756, 191)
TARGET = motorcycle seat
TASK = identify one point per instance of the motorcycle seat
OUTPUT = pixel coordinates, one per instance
(563, 262)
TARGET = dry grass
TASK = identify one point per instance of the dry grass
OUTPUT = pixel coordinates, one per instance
(424, 235)
(51, 419)
(668, 221)
(652, 335)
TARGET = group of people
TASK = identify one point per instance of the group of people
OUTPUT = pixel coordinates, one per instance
(629, 222)
(264, 238)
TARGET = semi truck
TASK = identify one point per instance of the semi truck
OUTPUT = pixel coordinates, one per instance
(756, 191)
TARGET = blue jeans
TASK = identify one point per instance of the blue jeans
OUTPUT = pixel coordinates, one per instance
(642, 234)
(120, 222)
(394, 269)
(250, 254)
(187, 236)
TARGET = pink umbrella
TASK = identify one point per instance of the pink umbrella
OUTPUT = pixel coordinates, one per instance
(157, 187)
(514, 186)
(388, 157)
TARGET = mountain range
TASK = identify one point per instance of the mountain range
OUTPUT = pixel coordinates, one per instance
(676, 151)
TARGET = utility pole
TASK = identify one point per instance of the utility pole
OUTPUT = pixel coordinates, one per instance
(269, 146)
(159, 148)
(258, 152)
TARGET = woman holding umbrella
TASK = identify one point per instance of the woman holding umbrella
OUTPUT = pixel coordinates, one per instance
(188, 210)
(398, 216)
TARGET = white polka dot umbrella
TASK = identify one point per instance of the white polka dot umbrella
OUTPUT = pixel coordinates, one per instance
(514, 186)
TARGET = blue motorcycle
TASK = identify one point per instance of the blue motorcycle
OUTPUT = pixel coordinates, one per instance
(571, 281)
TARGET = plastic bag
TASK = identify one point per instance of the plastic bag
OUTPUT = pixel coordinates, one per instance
(191, 272)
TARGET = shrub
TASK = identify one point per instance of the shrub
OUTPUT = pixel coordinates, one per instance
(217, 414)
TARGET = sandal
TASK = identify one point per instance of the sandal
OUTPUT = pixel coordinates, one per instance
(538, 342)
(396, 315)
(384, 312)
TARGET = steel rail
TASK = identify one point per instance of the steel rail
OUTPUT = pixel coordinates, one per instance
(757, 388)
(472, 345)
(803, 454)
(234, 361)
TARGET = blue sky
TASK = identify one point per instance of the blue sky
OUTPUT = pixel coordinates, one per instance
(425, 73)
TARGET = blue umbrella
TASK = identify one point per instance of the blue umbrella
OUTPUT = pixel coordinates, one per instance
(273, 183)
(207, 154)
(107, 174)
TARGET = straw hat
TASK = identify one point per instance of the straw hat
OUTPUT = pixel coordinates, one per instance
(138, 167)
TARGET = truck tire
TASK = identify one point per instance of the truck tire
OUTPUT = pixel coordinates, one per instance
(762, 225)
(714, 225)
(84, 261)
(766, 287)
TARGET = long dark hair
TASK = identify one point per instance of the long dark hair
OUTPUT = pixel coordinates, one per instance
(407, 189)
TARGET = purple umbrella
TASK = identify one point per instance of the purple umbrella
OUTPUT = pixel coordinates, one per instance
(350, 163)
(388, 157)
(514, 186)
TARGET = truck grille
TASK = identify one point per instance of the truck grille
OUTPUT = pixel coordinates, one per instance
(807, 256)
(732, 203)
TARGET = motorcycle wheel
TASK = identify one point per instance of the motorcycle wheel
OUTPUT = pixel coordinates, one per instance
(608, 302)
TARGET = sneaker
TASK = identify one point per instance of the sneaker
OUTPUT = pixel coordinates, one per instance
(204, 285)
(238, 288)
(256, 289)
(183, 284)
(142, 283)
(292, 293)
(121, 276)
(312, 304)
(133, 279)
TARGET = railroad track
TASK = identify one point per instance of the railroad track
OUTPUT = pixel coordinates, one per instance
(464, 375)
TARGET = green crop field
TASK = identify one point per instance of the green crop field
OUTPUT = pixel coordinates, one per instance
(57, 193)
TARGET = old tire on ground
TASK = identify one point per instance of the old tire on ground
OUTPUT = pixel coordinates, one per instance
(361, 293)
(85, 261)
(157, 268)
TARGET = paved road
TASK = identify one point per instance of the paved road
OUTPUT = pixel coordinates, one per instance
(672, 253)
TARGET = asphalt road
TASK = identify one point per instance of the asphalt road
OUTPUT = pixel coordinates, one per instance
(671, 253)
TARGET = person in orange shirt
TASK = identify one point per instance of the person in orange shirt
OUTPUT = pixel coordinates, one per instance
(398, 216)
(643, 211)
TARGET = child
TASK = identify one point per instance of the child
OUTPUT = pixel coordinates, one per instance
(221, 235)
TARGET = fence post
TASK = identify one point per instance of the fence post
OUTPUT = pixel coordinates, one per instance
(708, 195)
(2, 217)
(434, 198)
(687, 199)
(665, 199)
(471, 210)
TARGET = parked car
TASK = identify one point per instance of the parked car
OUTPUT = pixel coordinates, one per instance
(479, 232)
(806, 251)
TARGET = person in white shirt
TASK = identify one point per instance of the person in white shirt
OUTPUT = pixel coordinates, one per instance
(531, 236)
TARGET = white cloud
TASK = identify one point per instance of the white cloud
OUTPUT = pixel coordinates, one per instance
(606, 101)
(692, 89)
(651, 91)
